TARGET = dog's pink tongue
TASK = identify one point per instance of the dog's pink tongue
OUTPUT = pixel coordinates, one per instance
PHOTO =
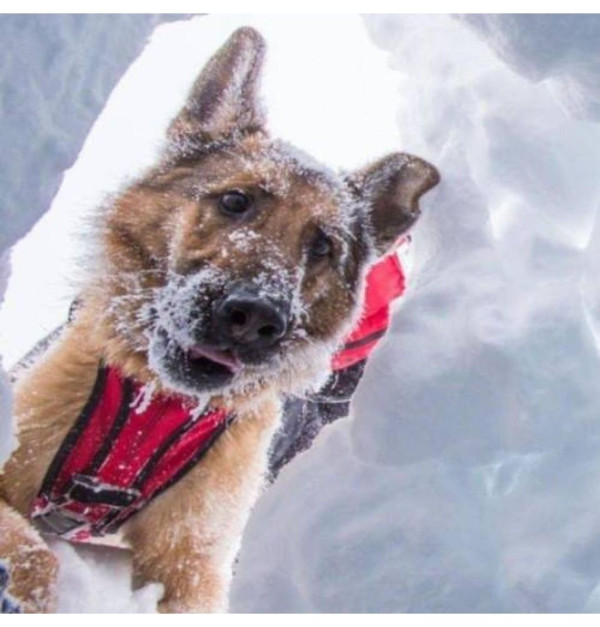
(220, 357)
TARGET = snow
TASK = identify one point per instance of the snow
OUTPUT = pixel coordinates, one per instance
(467, 479)
(563, 52)
(91, 583)
(144, 398)
(7, 441)
(53, 90)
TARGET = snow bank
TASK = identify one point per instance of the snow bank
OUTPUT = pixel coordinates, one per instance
(562, 51)
(57, 73)
(94, 580)
(468, 479)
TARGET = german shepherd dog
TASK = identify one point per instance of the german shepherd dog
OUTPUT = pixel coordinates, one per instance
(225, 277)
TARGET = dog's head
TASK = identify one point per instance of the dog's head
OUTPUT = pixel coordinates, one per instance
(239, 260)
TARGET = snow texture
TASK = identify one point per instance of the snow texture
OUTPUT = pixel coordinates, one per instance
(562, 52)
(53, 87)
(467, 480)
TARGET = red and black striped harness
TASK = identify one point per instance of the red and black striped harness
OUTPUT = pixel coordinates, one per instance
(122, 452)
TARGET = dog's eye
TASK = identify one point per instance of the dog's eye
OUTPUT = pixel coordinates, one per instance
(321, 246)
(234, 203)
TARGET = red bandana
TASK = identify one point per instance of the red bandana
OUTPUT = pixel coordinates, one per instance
(122, 452)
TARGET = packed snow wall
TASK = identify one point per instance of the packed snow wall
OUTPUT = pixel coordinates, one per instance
(57, 73)
(468, 478)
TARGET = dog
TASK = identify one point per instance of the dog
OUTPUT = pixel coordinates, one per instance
(224, 278)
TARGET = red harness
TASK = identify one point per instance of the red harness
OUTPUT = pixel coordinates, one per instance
(385, 282)
(122, 452)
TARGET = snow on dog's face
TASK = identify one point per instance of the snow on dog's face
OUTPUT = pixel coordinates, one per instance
(238, 261)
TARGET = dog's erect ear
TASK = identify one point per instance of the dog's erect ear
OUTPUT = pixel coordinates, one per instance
(389, 191)
(223, 101)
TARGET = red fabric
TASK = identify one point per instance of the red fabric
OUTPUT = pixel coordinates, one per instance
(125, 448)
(384, 283)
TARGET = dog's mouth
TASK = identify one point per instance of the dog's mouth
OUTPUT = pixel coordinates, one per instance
(202, 367)
(213, 359)
(194, 369)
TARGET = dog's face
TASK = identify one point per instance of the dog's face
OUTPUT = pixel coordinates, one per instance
(238, 260)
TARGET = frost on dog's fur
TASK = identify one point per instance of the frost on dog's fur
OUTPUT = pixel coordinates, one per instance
(218, 142)
(172, 304)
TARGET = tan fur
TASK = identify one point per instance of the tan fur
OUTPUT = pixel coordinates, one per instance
(33, 582)
(168, 224)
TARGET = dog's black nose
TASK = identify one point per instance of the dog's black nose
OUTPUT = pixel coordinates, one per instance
(245, 318)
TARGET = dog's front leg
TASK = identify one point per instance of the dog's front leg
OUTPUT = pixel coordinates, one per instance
(188, 538)
(28, 569)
